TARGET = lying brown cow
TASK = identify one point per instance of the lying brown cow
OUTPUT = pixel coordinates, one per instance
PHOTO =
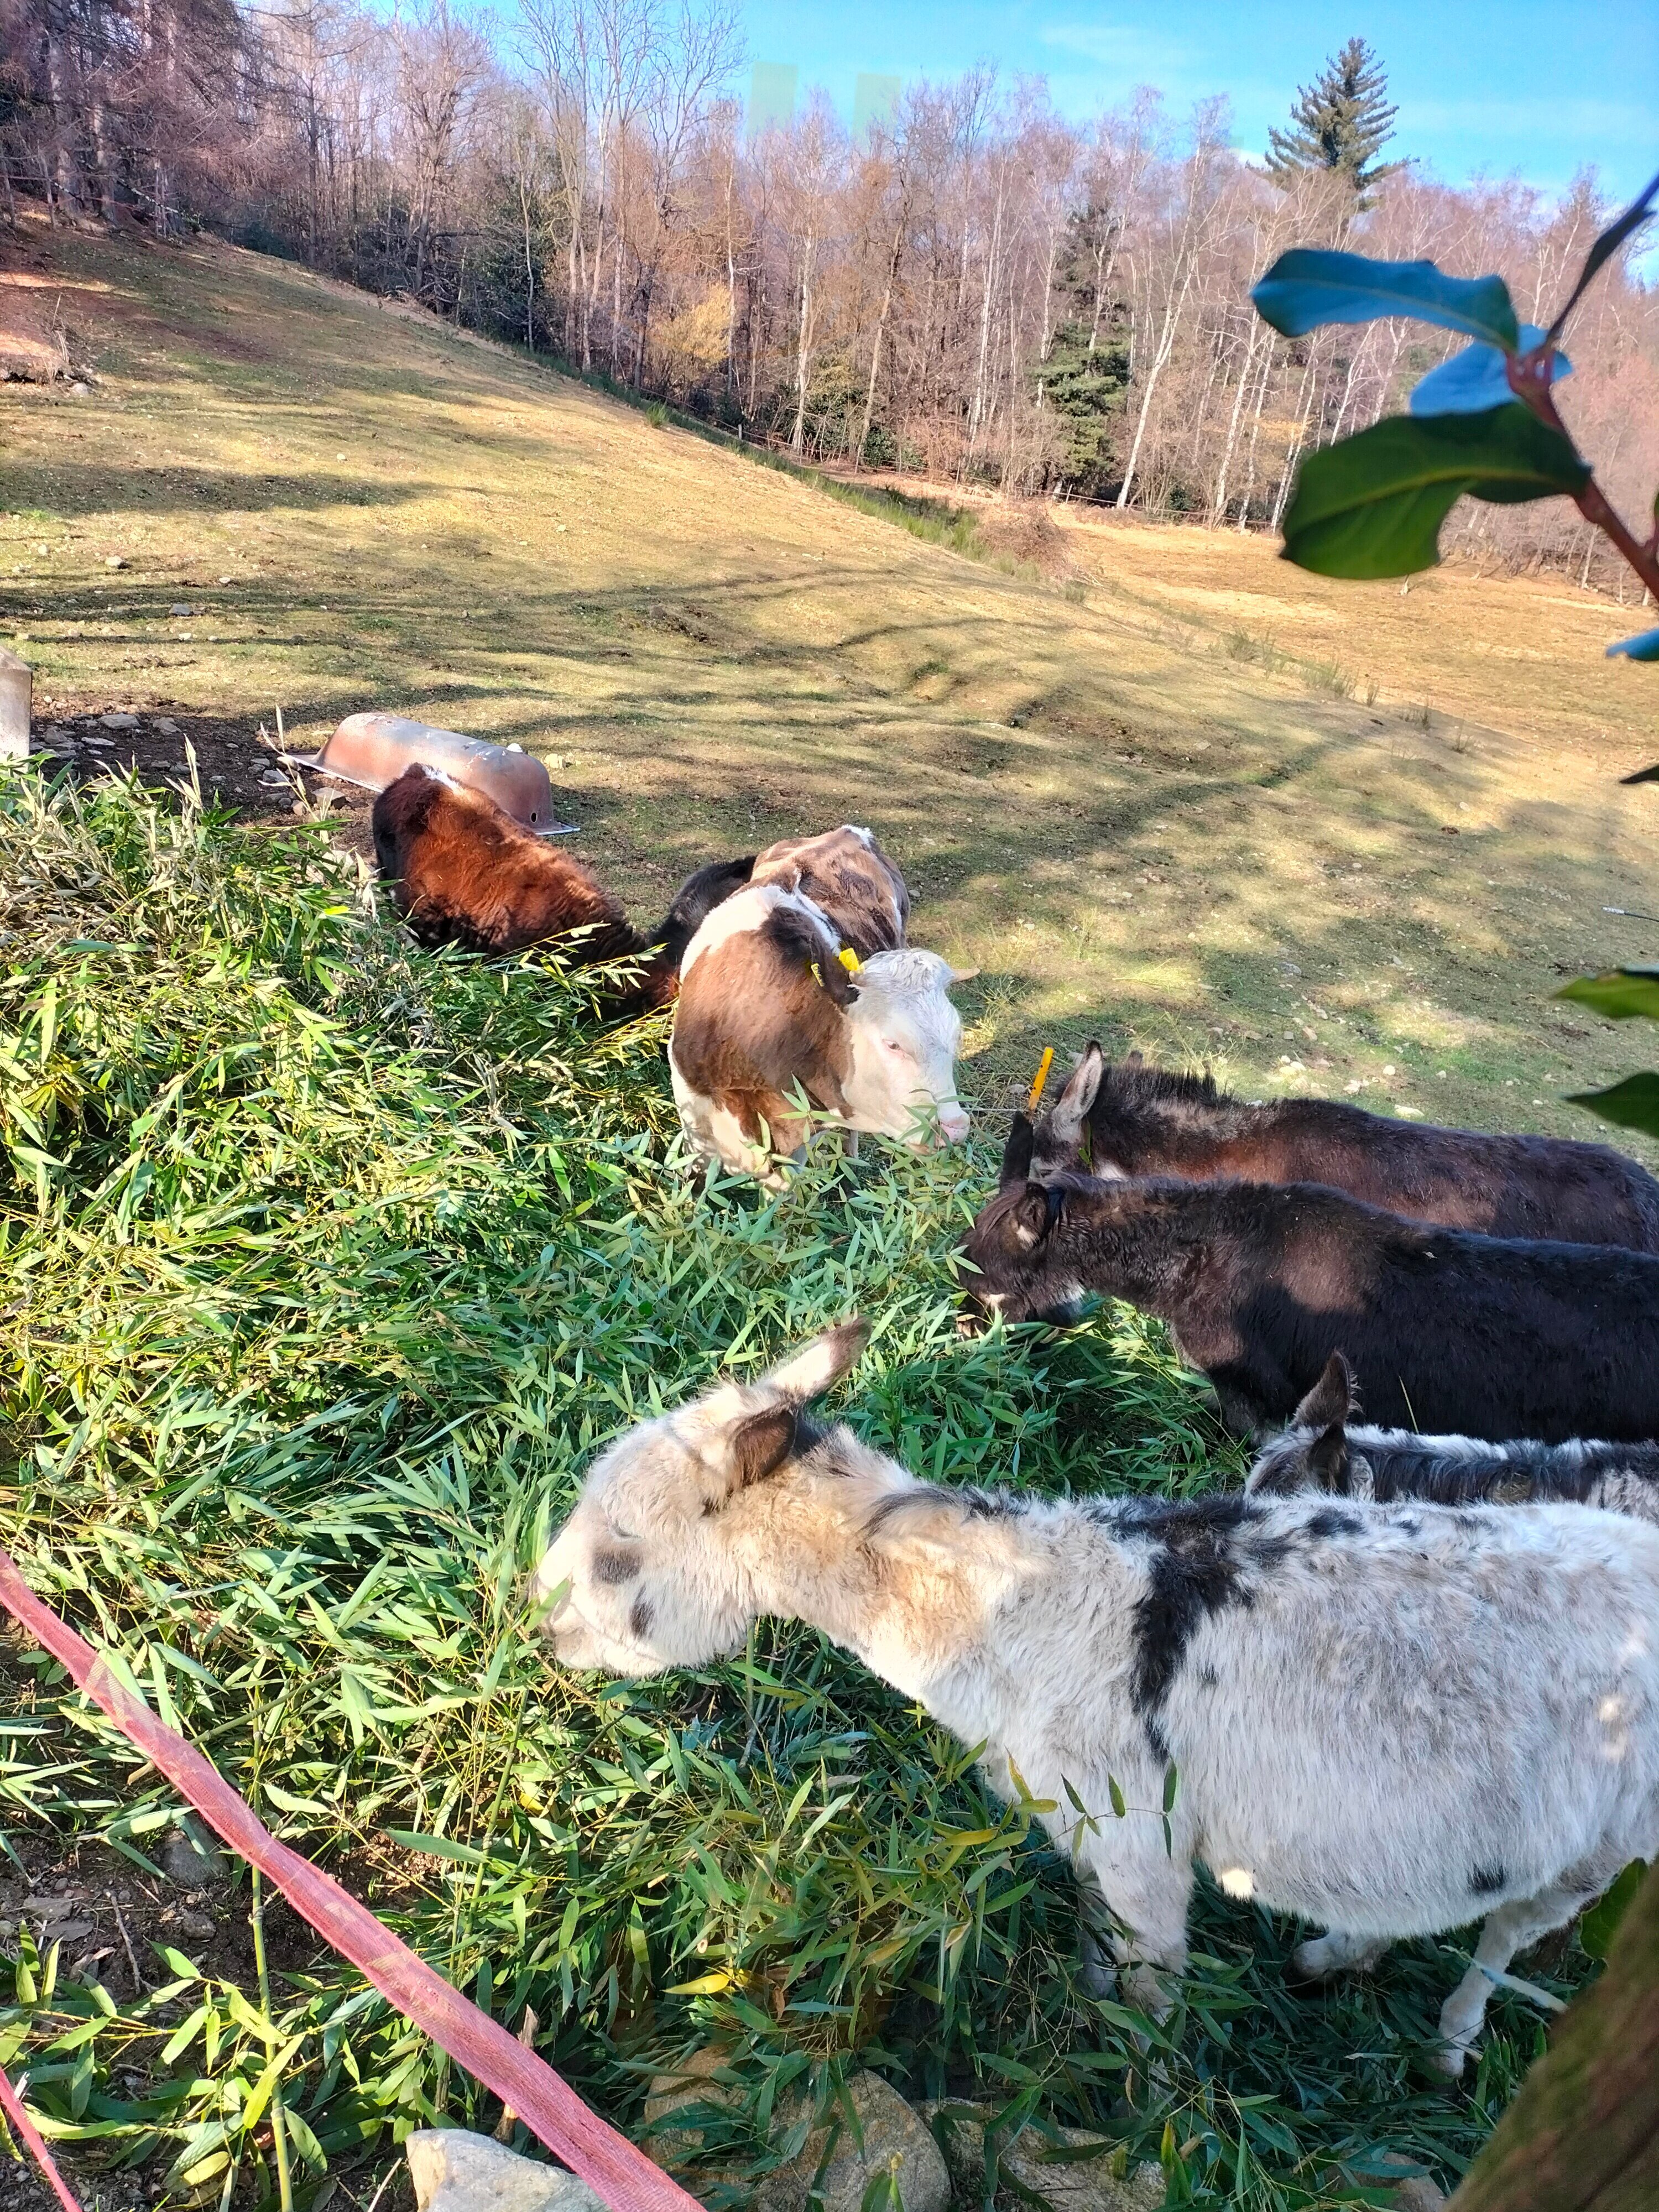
(848, 877)
(463, 873)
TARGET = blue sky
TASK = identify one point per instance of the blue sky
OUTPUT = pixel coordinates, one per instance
(1506, 87)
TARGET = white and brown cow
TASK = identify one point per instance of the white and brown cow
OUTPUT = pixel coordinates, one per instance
(848, 877)
(767, 1012)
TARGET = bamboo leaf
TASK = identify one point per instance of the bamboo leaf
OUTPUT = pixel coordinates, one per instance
(1601, 1924)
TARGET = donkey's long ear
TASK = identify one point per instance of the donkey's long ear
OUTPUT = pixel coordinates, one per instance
(818, 1367)
(1327, 1460)
(759, 1446)
(1082, 1088)
(1334, 1399)
(1016, 1153)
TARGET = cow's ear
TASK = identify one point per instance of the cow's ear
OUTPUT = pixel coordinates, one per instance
(1332, 1400)
(1328, 1458)
(1016, 1153)
(959, 975)
(760, 1446)
(835, 979)
(1073, 1107)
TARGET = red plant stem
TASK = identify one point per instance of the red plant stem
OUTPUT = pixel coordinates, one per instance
(1529, 380)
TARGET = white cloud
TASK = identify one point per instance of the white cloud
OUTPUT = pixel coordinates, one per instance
(1128, 48)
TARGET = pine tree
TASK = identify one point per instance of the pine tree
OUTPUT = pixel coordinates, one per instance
(1339, 122)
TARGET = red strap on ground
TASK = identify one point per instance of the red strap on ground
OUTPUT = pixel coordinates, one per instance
(12, 2104)
(621, 2173)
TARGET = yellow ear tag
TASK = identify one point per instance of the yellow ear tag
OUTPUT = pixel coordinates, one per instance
(1043, 1065)
(848, 959)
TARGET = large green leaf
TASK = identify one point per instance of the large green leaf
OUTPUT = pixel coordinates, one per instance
(1632, 1104)
(1619, 994)
(1373, 504)
(1308, 287)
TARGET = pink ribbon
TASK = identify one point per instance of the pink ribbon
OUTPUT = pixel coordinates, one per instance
(622, 2174)
(13, 2106)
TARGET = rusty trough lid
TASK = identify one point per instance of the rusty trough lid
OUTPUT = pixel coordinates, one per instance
(372, 750)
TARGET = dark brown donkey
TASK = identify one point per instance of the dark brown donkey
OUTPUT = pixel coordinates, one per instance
(1446, 1332)
(1131, 1120)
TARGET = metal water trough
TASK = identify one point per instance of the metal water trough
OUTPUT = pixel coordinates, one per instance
(371, 750)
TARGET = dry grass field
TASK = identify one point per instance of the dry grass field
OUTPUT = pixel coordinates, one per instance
(1342, 838)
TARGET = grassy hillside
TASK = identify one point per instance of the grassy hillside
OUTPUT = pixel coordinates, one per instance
(329, 1262)
(1135, 799)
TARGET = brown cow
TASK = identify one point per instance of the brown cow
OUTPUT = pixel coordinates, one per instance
(462, 871)
(767, 1011)
(848, 877)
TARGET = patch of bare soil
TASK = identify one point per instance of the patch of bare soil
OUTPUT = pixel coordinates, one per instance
(234, 760)
(112, 1920)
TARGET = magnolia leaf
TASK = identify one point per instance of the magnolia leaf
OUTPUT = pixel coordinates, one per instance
(1308, 287)
(1373, 504)
(1632, 1104)
(1601, 1924)
(1619, 994)
(1477, 378)
(1645, 646)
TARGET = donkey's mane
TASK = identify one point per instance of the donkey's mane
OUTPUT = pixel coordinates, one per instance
(1132, 1083)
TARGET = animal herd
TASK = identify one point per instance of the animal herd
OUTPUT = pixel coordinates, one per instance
(1407, 1678)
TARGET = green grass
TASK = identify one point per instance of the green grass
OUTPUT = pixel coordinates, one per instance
(329, 1264)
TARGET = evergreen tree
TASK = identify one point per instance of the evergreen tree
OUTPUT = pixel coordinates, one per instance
(1340, 121)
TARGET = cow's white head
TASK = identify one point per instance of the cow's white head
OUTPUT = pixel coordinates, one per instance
(905, 1037)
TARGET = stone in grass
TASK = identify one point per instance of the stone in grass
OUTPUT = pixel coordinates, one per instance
(1419, 2194)
(454, 2170)
(1101, 2183)
(192, 1856)
(894, 2141)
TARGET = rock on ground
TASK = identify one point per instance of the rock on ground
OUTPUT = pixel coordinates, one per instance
(894, 2141)
(1086, 2185)
(454, 2170)
(1418, 2195)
